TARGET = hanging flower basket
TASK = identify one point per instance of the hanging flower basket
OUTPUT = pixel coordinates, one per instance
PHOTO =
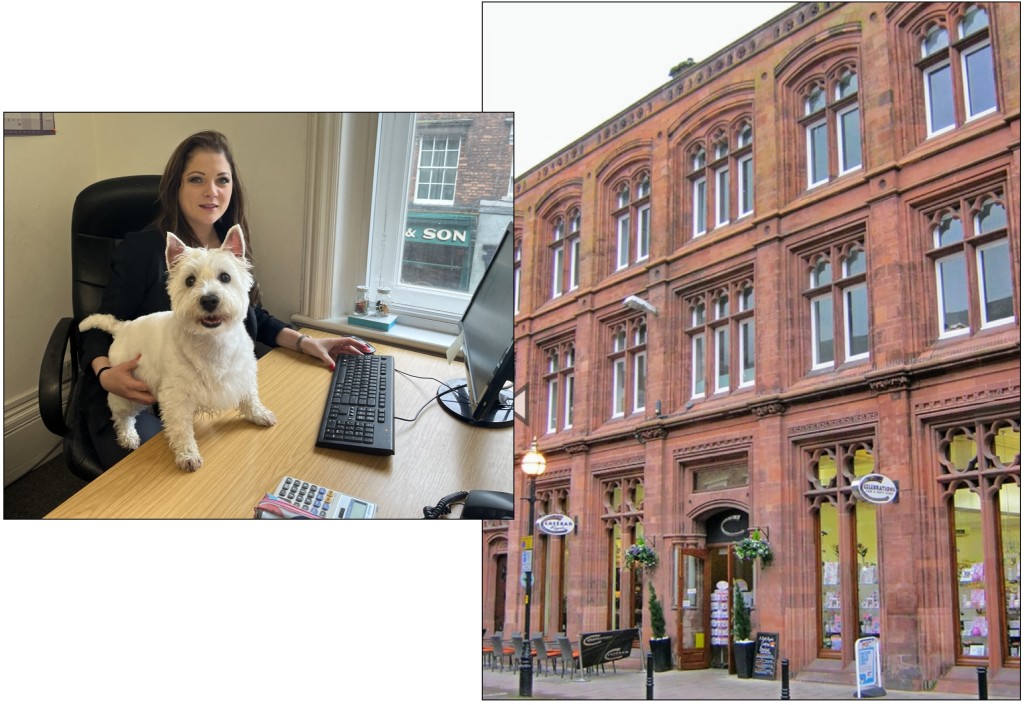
(642, 555)
(752, 548)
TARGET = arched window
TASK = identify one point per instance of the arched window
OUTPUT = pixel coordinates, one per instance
(831, 124)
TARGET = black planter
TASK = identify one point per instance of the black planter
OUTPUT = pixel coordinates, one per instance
(743, 657)
(662, 651)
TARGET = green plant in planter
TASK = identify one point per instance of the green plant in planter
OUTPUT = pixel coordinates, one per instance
(740, 616)
(657, 614)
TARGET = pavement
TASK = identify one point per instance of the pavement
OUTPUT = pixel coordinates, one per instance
(628, 682)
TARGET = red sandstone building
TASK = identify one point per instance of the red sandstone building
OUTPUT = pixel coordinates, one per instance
(824, 217)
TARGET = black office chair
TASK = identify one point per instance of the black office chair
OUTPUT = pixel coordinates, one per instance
(103, 214)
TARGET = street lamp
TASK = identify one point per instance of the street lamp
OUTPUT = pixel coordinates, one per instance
(533, 465)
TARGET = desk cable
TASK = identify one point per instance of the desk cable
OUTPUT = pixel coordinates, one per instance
(432, 399)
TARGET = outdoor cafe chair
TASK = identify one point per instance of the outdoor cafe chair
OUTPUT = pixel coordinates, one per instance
(548, 653)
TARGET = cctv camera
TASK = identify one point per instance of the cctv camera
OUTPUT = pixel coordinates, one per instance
(638, 304)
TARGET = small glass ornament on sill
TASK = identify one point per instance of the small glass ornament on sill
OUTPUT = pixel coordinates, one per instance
(383, 301)
(362, 304)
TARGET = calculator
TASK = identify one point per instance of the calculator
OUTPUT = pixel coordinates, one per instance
(322, 502)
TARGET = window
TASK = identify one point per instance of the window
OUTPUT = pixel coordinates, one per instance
(632, 217)
(837, 283)
(439, 208)
(629, 367)
(560, 384)
(831, 122)
(973, 264)
(978, 470)
(565, 252)
(958, 75)
(845, 579)
(721, 339)
(517, 274)
(730, 174)
(622, 515)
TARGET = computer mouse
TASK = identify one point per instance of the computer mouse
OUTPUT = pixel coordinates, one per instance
(488, 504)
(372, 349)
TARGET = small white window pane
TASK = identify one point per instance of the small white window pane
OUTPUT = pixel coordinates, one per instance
(815, 101)
(992, 216)
(996, 282)
(948, 231)
(699, 364)
(552, 406)
(975, 19)
(847, 85)
(823, 344)
(558, 266)
(854, 263)
(938, 85)
(643, 234)
(722, 196)
(856, 302)
(570, 390)
(622, 257)
(747, 352)
(721, 359)
(639, 382)
(817, 154)
(822, 273)
(700, 207)
(619, 387)
(746, 186)
(849, 140)
(951, 273)
(574, 264)
(699, 316)
(979, 81)
(936, 39)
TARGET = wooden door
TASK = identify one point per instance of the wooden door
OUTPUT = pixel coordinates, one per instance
(693, 600)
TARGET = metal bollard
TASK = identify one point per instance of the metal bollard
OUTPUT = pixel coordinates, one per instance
(785, 679)
(982, 683)
(650, 676)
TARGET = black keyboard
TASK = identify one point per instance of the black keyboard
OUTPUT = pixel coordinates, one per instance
(360, 414)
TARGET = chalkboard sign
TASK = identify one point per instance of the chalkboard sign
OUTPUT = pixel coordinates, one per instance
(766, 653)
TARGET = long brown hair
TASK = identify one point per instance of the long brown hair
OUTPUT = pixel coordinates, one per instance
(172, 219)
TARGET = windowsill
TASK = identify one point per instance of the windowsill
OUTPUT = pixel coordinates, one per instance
(405, 336)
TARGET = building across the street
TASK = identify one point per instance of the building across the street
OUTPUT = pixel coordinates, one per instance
(775, 303)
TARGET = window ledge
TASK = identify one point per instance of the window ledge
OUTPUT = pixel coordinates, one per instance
(406, 336)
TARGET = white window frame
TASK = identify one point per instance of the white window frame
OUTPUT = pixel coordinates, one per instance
(744, 186)
(698, 372)
(700, 205)
(967, 84)
(619, 387)
(570, 391)
(643, 233)
(932, 132)
(940, 288)
(558, 271)
(718, 334)
(747, 324)
(416, 188)
(985, 323)
(847, 323)
(840, 114)
(823, 124)
(622, 241)
(639, 362)
(721, 196)
(574, 264)
(552, 405)
(816, 363)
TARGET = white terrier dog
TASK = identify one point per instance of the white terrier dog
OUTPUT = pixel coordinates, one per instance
(197, 357)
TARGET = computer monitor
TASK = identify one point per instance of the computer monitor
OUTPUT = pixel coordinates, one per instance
(481, 399)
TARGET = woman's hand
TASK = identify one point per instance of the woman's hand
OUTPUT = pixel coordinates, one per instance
(119, 380)
(326, 349)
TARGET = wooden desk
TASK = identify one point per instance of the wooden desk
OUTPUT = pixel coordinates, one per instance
(434, 456)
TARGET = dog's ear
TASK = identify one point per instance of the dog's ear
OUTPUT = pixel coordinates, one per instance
(175, 249)
(234, 242)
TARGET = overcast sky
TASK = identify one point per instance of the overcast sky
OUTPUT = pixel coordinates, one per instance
(566, 67)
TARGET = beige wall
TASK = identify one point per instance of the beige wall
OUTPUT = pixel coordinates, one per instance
(42, 176)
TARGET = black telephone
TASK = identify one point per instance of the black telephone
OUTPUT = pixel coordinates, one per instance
(476, 504)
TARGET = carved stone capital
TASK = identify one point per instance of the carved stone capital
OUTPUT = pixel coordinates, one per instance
(890, 383)
(770, 408)
(577, 448)
(651, 434)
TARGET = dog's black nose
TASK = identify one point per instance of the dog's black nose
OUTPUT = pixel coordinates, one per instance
(209, 302)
